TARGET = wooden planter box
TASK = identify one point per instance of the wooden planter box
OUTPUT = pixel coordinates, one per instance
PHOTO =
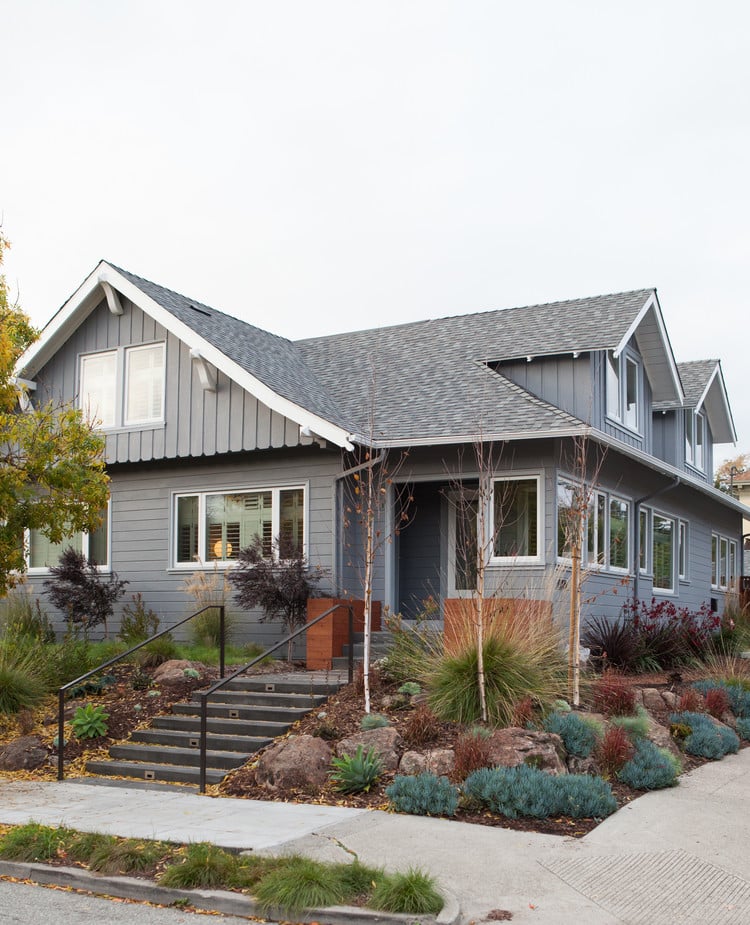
(458, 615)
(326, 640)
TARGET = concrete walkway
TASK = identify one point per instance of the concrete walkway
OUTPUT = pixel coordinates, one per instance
(676, 857)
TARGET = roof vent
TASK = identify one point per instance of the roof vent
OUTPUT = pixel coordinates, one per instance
(201, 311)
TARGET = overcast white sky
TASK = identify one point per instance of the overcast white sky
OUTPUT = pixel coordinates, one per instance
(317, 166)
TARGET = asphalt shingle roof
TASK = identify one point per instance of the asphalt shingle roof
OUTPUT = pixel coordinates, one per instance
(694, 375)
(421, 381)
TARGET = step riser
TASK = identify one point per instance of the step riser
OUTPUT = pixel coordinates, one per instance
(164, 772)
(260, 699)
(318, 688)
(190, 758)
(228, 743)
(249, 714)
(228, 726)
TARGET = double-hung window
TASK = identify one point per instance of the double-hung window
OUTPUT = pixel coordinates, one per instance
(41, 553)
(516, 522)
(123, 387)
(623, 389)
(214, 526)
(723, 562)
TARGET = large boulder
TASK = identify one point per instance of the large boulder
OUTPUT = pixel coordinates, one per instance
(660, 736)
(439, 761)
(385, 741)
(174, 670)
(23, 754)
(297, 763)
(513, 746)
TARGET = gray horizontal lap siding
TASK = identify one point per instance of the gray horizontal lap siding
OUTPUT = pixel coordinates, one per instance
(141, 517)
(197, 422)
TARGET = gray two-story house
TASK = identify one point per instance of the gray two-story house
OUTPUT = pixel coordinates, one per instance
(218, 431)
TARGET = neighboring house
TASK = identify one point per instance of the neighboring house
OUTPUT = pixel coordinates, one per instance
(741, 483)
(217, 431)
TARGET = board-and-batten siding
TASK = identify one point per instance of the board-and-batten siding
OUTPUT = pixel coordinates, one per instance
(563, 381)
(197, 422)
(142, 519)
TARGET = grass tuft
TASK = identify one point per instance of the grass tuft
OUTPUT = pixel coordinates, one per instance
(127, 856)
(202, 867)
(32, 842)
(410, 893)
(300, 884)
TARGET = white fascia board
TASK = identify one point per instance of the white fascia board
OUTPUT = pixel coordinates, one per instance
(652, 304)
(61, 324)
(717, 379)
(489, 437)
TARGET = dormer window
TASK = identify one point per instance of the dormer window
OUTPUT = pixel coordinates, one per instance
(695, 438)
(623, 387)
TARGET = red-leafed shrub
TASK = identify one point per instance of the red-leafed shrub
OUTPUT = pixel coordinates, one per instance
(613, 696)
(717, 701)
(692, 701)
(472, 752)
(613, 751)
(421, 727)
(523, 712)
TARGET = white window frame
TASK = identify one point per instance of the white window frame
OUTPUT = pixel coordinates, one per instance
(538, 559)
(724, 562)
(128, 354)
(674, 554)
(696, 432)
(602, 541)
(203, 495)
(683, 550)
(100, 566)
(645, 540)
(121, 357)
(95, 414)
(616, 389)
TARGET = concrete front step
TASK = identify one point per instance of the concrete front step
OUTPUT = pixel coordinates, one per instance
(166, 754)
(251, 714)
(218, 725)
(152, 771)
(189, 739)
(264, 699)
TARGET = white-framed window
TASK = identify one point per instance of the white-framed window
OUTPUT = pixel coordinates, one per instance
(212, 527)
(644, 526)
(605, 527)
(517, 519)
(623, 389)
(98, 387)
(683, 551)
(41, 554)
(663, 541)
(724, 562)
(123, 387)
(695, 439)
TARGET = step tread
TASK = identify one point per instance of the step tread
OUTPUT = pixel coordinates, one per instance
(174, 772)
(174, 751)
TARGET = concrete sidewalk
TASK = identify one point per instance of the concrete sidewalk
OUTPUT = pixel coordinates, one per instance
(671, 857)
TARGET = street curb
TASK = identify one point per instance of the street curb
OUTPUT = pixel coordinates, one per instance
(222, 901)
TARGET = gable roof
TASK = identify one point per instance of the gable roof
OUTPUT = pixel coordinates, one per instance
(267, 366)
(704, 389)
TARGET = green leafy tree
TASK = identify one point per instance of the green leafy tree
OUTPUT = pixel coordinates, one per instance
(52, 474)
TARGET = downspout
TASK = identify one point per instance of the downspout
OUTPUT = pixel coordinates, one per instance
(637, 528)
(338, 515)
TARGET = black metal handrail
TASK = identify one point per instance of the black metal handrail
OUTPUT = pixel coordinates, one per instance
(204, 695)
(66, 687)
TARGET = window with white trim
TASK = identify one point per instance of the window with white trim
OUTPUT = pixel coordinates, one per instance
(663, 534)
(214, 526)
(683, 557)
(644, 526)
(723, 562)
(517, 511)
(695, 438)
(41, 554)
(123, 387)
(606, 526)
(623, 389)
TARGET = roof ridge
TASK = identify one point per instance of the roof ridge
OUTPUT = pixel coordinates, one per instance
(477, 314)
